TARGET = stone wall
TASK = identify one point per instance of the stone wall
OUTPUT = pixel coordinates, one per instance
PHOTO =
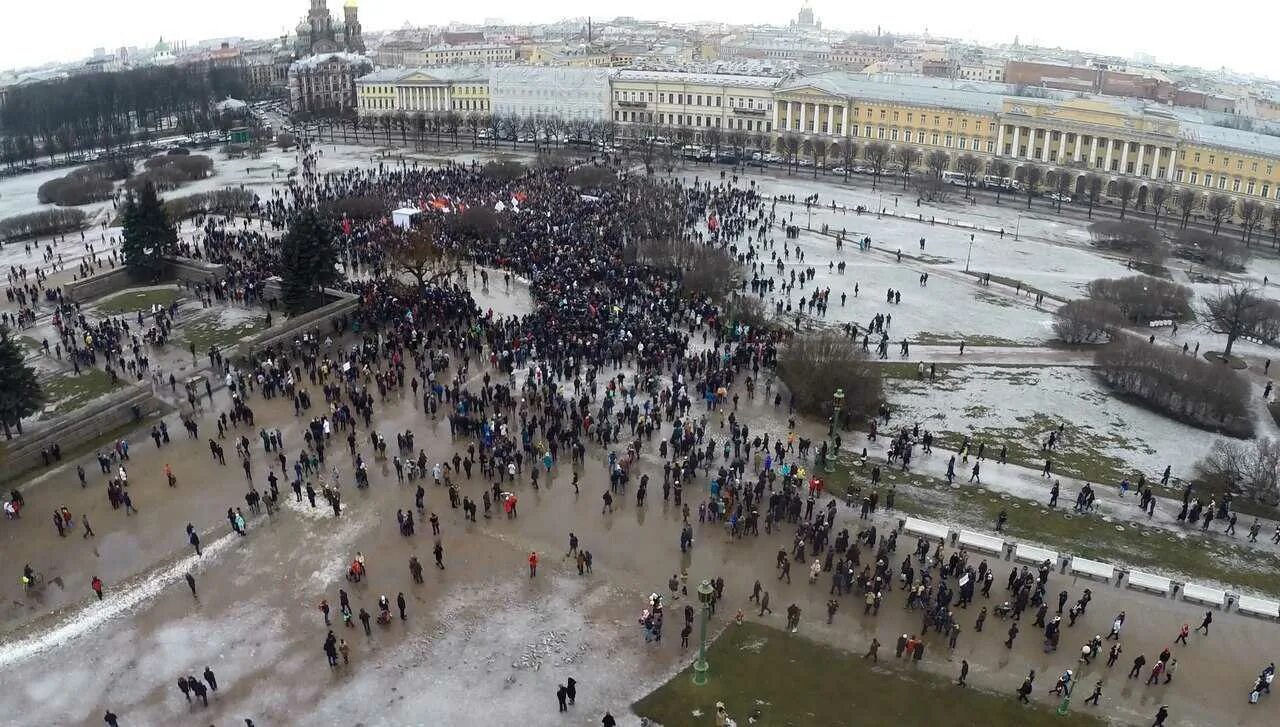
(73, 431)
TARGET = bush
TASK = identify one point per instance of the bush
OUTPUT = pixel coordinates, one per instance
(1211, 250)
(1189, 389)
(591, 177)
(1249, 468)
(705, 271)
(1142, 299)
(1086, 321)
(503, 171)
(1135, 239)
(359, 209)
(814, 365)
(167, 171)
(42, 224)
(223, 201)
(82, 186)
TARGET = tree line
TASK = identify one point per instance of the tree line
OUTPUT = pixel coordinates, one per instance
(108, 111)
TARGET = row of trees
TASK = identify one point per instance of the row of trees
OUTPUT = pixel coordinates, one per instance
(109, 110)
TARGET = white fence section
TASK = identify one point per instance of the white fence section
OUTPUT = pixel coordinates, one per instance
(978, 541)
(1092, 568)
(1032, 554)
(916, 526)
(1258, 606)
(1204, 594)
(1149, 582)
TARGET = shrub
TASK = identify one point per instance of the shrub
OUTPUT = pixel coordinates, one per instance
(503, 171)
(814, 365)
(1251, 469)
(1189, 389)
(1142, 299)
(223, 201)
(42, 224)
(1211, 250)
(82, 186)
(1086, 321)
(167, 171)
(355, 208)
(590, 177)
(1135, 239)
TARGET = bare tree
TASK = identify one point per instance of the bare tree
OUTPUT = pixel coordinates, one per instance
(877, 155)
(1234, 312)
(818, 152)
(806, 148)
(1060, 180)
(1273, 219)
(1031, 176)
(1143, 298)
(1086, 321)
(1216, 251)
(815, 365)
(1159, 195)
(1251, 212)
(999, 169)
(848, 152)
(1219, 208)
(1134, 239)
(968, 165)
(789, 148)
(1124, 191)
(1093, 190)
(937, 161)
(713, 138)
(908, 157)
(1250, 468)
(738, 141)
(421, 254)
(1188, 200)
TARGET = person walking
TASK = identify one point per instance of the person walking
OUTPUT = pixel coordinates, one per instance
(193, 538)
(964, 673)
(400, 603)
(210, 678)
(364, 619)
(88, 530)
(96, 585)
(533, 564)
(1013, 634)
(1204, 623)
(191, 583)
(562, 697)
(764, 603)
(1096, 695)
(1161, 715)
(873, 651)
(1182, 634)
(1138, 663)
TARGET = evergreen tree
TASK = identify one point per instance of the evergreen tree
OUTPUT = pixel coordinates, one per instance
(307, 260)
(148, 234)
(20, 391)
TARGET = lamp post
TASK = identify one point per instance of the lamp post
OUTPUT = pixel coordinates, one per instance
(701, 667)
(969, 256)
(837, 403)
(1017, 226)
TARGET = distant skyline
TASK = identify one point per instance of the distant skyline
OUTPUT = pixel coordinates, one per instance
(64, 30)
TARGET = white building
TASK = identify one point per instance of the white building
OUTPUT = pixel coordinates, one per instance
(571, 93)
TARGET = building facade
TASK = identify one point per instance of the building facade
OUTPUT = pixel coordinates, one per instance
(326, 84)
(699, 101)
(570, 93)
(446, 55)
(461, 89)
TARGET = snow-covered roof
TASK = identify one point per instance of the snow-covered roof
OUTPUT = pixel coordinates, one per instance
(231, 104)
(706, 79)
(439, 74)
(321, 58)
(912, 90)
(1227, 138)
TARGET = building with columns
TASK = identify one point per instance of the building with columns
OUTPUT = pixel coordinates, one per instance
(699, 101)
(325, 84)
(461, 89)
(1063, 133)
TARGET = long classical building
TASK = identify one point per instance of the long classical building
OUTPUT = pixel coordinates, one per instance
(1062, 132)
(461, 89)
(326, 83)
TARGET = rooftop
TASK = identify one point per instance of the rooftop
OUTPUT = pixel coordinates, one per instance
(709, 79)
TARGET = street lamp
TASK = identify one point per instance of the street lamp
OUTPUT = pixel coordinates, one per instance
(969, 256)
(1017, 226)
(701, 667)
(837, 403)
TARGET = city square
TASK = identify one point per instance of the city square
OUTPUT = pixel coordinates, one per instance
(636, 374)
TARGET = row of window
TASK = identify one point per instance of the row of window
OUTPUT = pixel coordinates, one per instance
(694, 99)
(1209, 180)
(696, 121)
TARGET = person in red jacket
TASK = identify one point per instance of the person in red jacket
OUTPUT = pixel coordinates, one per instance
(96, 585)
(533, 564)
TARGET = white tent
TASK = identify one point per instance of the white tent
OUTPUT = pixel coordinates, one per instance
(403, 217)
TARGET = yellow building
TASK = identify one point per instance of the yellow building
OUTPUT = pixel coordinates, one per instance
(1063, 134)
(444, 55)
(462, 89)
(699, 101)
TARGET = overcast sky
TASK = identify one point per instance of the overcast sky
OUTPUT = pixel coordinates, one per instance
(47, 30)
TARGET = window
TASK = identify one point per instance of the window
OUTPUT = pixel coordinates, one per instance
(933, 138)
(950, 122)
(1239, 164)
(893, 134)
(866, 131)
(949, 140)
(1253, 167)
(1208, 180)
(1190, 180)
(895, 115)
(964, 123)
(906, 136)
(1235, 185)
(937, 120)
(1265, 189)
(909, 115)
(1197, 157)
(991, 147)
(1211, 160)
(880, 132)
(882, 114)
(1250, 189)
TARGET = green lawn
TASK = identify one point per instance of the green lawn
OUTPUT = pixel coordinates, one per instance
(66, 392)
(209, 331)
(131, 301)
(784, 679)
